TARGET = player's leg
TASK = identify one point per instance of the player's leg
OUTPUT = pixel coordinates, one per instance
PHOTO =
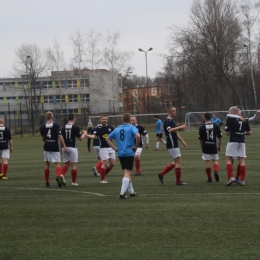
(111, 160)
(242, 165)
(231, 151)
(178, 168)
(216, 168)
(161, 139)
(96, 168)
(104, 155)
(157, 142)
(138, 161)
(47, 173)
(5, 157)
(1, 169)
(208, 170)
(74, 174)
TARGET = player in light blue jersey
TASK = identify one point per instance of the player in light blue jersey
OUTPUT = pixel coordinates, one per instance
(127, 139)
(216, 120)
(159, 132)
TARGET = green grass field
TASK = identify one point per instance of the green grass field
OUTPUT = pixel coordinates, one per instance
(198, 221)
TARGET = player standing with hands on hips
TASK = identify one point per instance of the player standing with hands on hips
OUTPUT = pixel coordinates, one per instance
(127, 139)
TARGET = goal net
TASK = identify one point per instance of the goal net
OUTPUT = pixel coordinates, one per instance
(194, 120)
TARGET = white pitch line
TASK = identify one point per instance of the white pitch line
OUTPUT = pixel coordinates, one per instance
(59, 190)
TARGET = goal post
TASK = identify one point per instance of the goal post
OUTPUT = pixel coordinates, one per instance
(194, 120)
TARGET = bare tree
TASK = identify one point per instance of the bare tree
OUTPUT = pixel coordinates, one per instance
(114, 60)
(57, 57)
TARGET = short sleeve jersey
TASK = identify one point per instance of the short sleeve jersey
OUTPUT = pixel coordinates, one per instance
(158, 126)
(142, 132)
(50, 132)
(96, 141)
(171, 138)
(125, 139)
(237, 130)
(216, 121)
(208, 133)
(5, 136)
(70, 134)
(102, 134)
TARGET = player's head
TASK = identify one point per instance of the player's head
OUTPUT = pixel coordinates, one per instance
(71, 117)
(172, 111)
(2, 121)
(214, 115)
(156, 117)
(49, 115)
(89, 120)
(233, 110)
(239, 111)
(133, 120)
(207, 117)
(104, 120)
(126, 118)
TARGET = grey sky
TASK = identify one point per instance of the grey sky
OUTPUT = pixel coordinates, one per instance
(142, 24)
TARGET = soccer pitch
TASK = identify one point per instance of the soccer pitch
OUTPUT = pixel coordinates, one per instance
(198, 221)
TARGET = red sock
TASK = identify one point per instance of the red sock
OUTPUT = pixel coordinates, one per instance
(98, 166)
(167, 169)
(216, 167)
(238, 172)
(64, 170)
(5, 169)
(47, 175)
(137, 166)
(102, 173)
(58, 169)
(74, 173)
(243, 172)
(108, 170)
(178, 174)
(208, 171)
(1, 167)
(229, 168)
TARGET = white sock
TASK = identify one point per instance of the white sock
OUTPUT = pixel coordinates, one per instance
(164, 142)
(157, 145)
(130, 188)
(125, 183)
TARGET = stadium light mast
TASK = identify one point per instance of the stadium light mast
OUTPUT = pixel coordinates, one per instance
(148, 107)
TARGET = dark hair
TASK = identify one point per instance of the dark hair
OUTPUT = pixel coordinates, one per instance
(207, 116)
(103, 116)
(71, 117)
(126, 118)
(155, 116)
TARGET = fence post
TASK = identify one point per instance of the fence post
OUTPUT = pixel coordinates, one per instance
(14, 122)
(21, 119)
(9, 119)
(32, 121)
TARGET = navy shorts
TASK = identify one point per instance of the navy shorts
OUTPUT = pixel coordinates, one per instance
(159, 135)
(127, 163)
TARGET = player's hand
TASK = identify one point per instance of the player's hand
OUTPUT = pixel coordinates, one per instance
(184, 127)
(11, 150)
(242, 119)
(147, 146)
(184, 144)
(218, 149)
(134, 148)
(258, 111)
(65, 149)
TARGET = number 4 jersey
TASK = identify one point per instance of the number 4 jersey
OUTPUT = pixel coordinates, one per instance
(208, 134)
(50, 132)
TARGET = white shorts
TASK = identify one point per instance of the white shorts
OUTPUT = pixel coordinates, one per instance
(71, 155)
(51, 156)
(174, 152)
(107, 153)
(138, 151)
(208, 157)
(97, 151)
(5, 153)
(236, 150)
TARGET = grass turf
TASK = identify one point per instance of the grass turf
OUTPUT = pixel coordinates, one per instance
(198, 221)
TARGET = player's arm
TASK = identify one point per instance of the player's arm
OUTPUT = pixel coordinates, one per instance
(253, 117)
(174, 129)
(110, 143)
(93, 136)
(83, 135)
(137, 140)
(62, 143)
(11, 148)
(236, 116)
(147, 141)
(219, 144)
(182, 141)
(160, 129)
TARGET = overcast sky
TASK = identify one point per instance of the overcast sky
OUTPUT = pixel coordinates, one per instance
(142, 24)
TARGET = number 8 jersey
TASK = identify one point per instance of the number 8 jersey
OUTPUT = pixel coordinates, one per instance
(208, 134)
(50, 132)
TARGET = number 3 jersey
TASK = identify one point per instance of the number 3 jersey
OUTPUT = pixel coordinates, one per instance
(50, 132)
(70, 134)
(5, 136)
(237, 130)
(208, 134)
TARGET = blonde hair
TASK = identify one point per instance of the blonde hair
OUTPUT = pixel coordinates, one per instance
(49, 115)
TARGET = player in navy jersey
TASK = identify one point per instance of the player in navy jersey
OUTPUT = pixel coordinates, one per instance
(142, 132)
(127, 139)
(236, 129)
(208, 134)
(159, 132)
(50, 133)
(6, 146)
(96, 147)
(172, 136)
(107, 154)
(89, 132)
(71, 133)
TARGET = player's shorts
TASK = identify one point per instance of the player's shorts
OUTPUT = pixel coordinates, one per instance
(5, 153)
(127, 163)
(138, 151)
(159, 135)
(208, 157)
(97, 151)
(174, 152)
(71, 155)
(51, 156)
(107, 153)
(236, 150)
